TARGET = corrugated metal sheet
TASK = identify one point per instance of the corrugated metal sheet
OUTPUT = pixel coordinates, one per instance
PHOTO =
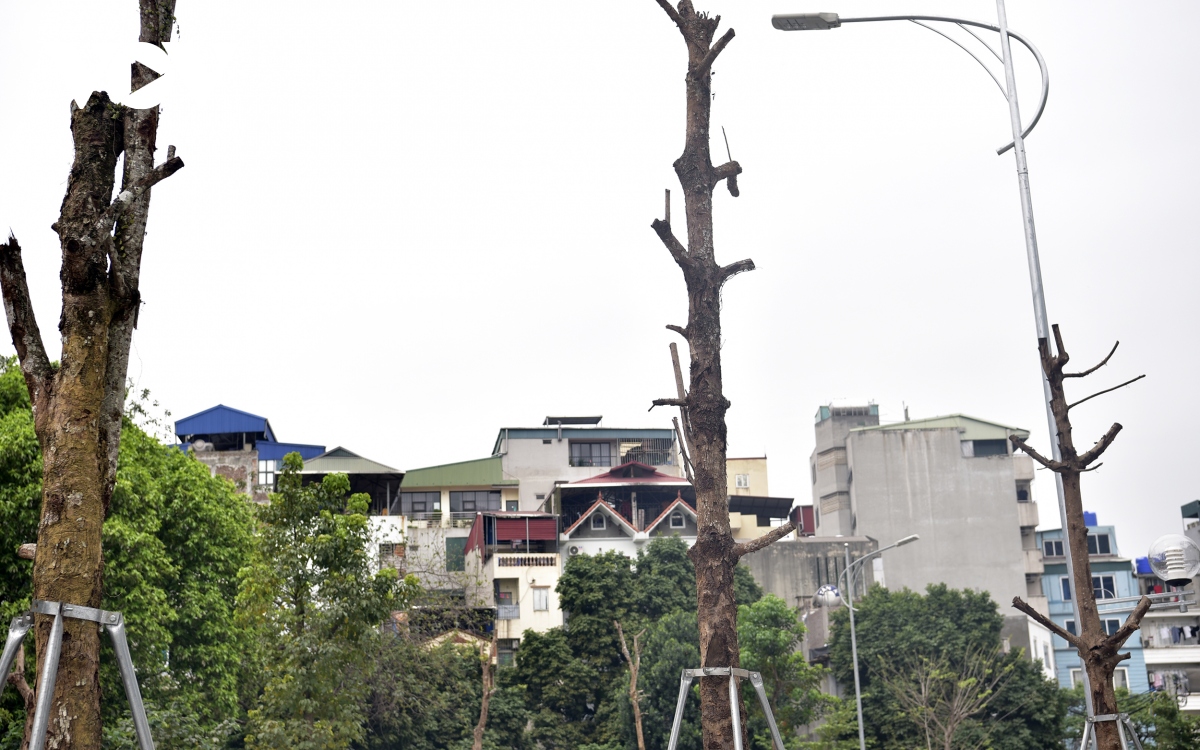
(222, 419)
(508, 529)
(341, 461)
(971, 428)
(276, 451)
(483, 472)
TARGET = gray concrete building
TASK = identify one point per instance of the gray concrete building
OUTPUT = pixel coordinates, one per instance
(954, 481)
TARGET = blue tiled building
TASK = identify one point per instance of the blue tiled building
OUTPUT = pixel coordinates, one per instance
(1112, 578)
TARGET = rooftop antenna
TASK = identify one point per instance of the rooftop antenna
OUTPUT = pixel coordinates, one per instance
(905, 411)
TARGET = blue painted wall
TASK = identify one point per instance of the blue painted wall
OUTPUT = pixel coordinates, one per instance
(1121, 569)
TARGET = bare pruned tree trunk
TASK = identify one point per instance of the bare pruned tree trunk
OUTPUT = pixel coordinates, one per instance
(635, 664)
(1098, 651)
(78, 403)
(703, 406)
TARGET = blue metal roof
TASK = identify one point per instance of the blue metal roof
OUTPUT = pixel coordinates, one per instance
(269, 451)
(222, 419)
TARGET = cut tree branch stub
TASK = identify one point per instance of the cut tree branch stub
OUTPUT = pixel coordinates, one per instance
(1049, 624)
(765, 540)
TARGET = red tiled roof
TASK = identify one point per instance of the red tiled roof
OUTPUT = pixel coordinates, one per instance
(632, 472)
(677, 501)
(588, 514)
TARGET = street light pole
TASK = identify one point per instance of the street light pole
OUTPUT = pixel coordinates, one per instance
(849, 599)
(862, 740)
(824, 21)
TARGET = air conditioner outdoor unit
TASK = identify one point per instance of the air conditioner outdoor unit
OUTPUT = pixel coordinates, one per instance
(574, 550)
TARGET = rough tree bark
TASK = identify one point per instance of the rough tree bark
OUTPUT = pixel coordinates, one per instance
(78, 404)
(635, 664)
(1098, 651)
(703, 406)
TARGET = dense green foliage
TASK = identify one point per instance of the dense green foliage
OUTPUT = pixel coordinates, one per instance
(574, 680)
(315, 607)
(1156, 718)
(769, 636)
(174, 541)
(1027, 711)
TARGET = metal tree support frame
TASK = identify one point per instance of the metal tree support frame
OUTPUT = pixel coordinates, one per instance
(685, 682)
(114, 623)
(1124, 728)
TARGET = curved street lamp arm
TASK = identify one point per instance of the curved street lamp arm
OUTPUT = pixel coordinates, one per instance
(1041, 61)
(959, 44)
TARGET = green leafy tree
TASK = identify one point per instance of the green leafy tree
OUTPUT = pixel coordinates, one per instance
(594, 590)
(769, 634)
(942, 625)
(175, 539)
(315, 605)
(672, 645)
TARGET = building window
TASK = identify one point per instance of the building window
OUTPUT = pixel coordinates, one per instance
(598, 521)
(591, 454)
(266, 473)
(420, 502)
(1098, 544)
(813, 469)
(1066, 588)
(742, 481)
(676, 520)
(541, 599)
(1022, 496)
(989, 448)
(456, 554)
(512, 506)
(1052, 548)
(469, 502)
(1111, 626)
(1105, 587)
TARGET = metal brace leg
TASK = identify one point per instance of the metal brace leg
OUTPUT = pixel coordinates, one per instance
(685, 682)
(1086, 741)
(16, 636)
(45, 683)
(756, 681)
(115, 625)
(734, 713)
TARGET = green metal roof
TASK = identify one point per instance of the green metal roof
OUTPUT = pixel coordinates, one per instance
(482, 472)
(970, 427)
(341, 461)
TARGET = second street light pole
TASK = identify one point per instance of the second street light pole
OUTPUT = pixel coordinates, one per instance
(849, 599)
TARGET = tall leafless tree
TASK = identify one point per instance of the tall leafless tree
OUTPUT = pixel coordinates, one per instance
(703, 405)
(1098, 651)
(78, 402)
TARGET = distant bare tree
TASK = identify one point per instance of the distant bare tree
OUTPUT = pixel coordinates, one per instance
(941, 694)
(1098, 651)
(78, 402)
(703, 405)
(635, 664)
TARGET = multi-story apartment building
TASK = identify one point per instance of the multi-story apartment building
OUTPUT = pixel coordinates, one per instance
(953, 480)
(1112, 578)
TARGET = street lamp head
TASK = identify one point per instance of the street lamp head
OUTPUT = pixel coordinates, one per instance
(806, 21)
(1175, 559)
(908, 539)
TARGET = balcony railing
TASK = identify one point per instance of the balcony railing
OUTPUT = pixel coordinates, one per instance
(526, 561)
(508, 612)
(591, 461)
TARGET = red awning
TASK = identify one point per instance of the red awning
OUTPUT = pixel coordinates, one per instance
(508, 529)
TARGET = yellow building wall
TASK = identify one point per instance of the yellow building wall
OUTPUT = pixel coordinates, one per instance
(755, 472)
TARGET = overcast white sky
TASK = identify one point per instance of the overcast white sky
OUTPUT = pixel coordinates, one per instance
(405, 225)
